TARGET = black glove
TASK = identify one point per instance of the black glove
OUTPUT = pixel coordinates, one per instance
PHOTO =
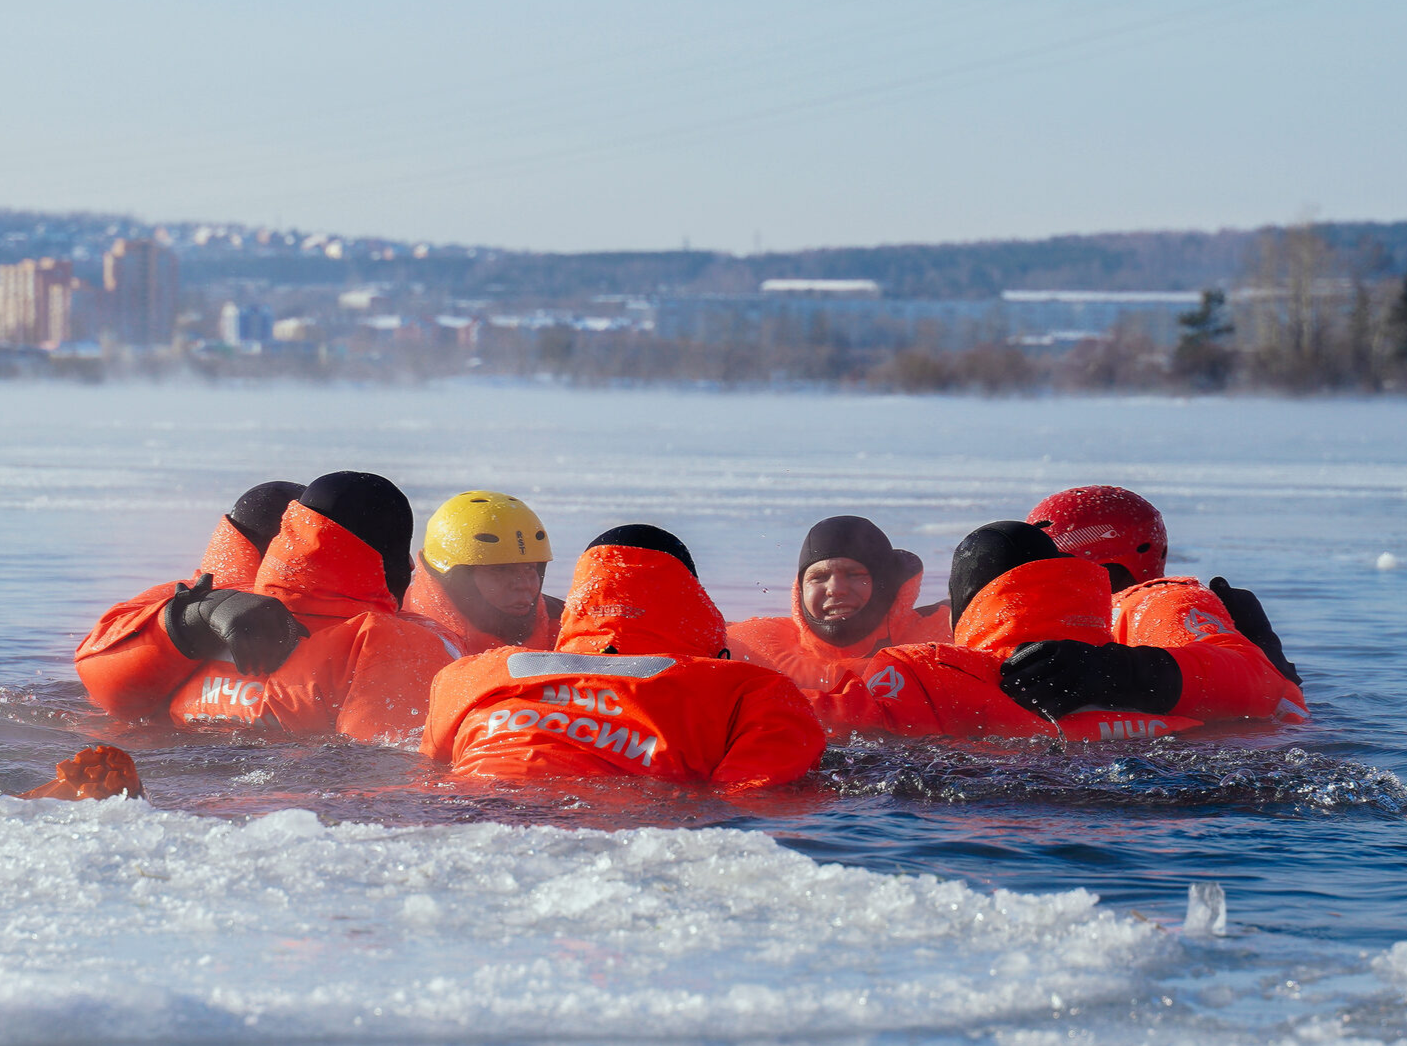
(257, 633)
(1249, 618)
(1057, 676)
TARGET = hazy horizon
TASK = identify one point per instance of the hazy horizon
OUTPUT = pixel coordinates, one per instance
(157, 221)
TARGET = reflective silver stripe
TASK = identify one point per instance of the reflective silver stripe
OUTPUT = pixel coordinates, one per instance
(1285, 709)
(551, 663)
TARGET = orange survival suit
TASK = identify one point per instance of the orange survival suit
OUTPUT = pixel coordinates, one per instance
(124, 676)
(788, 644)
(428, 598)
(634, 687)
(1224, 674)
(363, 671)
(953, 690)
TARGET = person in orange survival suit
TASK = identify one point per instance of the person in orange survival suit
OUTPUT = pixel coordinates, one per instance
(1009, 584)
(638, 684)
(854, 594)
(125, 674)
(1230, 661)
(340, 564)
(480, 574)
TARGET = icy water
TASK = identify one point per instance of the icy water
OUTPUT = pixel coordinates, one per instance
(906, 893)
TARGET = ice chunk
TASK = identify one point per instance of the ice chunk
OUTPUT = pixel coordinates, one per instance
(1206, 910)
(420, 909)
(283, 827)
(1392, 964)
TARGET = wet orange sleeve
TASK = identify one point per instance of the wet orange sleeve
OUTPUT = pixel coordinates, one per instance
(898, 691)
(758, 639)
(452, 693)
(852, 705)
(386, 693)
(127, 663)
(1229, 677)
(1224, 674)
(774, 738)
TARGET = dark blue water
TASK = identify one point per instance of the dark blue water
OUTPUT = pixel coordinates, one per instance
(106, 490)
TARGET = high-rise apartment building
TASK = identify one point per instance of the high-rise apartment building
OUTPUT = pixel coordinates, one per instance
(140, 278)
(35, 301)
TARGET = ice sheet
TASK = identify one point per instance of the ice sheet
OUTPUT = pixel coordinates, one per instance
(159, 925)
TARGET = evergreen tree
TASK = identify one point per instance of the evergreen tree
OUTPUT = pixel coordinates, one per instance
(1397, 326)
(1201, 358)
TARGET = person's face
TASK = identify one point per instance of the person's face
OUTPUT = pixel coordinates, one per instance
(510, 588)
(834, 589)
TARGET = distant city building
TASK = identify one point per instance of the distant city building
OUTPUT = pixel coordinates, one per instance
(296, 328)
(75, 312)
(245, 323)
(35, 299)
(366, 299)
(1050, 319)
(229, 323)
(461, 331)
(384, 326)
(1182, 299)
(833, 288)
(805, 313)
(140, 278)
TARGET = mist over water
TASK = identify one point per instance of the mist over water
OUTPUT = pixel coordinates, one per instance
(905, 892)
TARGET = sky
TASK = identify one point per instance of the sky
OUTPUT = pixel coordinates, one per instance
(735, 125)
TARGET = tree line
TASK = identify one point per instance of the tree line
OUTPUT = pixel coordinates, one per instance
(1304, 316)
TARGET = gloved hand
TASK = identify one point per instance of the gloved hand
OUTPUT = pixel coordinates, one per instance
(1249, 618)
(1057, 676)
(257, 633)
(94, 773)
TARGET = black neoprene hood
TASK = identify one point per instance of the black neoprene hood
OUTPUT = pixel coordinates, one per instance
(989, 552)
(643, 535)
(374, 509)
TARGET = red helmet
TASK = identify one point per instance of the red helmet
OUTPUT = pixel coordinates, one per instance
(1107, 525)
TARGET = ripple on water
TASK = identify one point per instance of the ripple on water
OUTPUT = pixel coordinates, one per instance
(1168, 772)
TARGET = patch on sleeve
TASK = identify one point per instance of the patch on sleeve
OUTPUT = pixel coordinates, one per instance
(1201, 624)
(886, 684)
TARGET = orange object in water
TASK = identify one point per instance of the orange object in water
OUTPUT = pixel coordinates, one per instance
(788, 645)
(635, 687)
(953, 690)
(94, 773)
(127, 662)
(365, 671)
(1224, 674)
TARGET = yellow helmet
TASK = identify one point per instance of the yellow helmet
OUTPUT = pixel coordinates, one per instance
(482, 527)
